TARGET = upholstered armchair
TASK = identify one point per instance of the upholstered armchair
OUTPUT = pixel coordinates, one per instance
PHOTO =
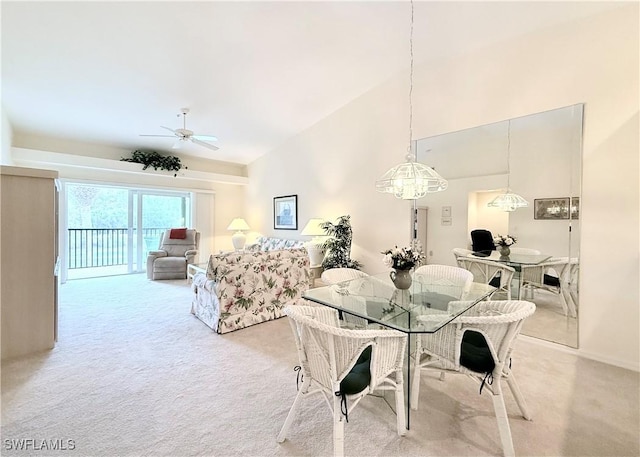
(178, 248)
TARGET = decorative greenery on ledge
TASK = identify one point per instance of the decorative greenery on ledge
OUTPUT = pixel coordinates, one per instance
(155, 160)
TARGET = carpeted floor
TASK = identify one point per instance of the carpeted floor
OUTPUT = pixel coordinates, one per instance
(135, 374)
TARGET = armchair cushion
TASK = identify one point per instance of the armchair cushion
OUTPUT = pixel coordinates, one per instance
(178, 234)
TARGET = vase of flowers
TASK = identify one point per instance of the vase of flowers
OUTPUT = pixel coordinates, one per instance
(402, 260)
(503, 243)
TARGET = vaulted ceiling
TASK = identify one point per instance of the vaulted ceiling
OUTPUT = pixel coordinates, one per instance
(252, 73)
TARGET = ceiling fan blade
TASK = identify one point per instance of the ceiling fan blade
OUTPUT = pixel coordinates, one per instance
(202, 143)
(162, 136)
(167, 128)
(205, 137)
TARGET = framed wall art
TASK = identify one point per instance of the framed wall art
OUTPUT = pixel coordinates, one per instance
(551, 208)
(285, 212)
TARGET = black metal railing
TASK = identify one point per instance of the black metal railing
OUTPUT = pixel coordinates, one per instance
(90, 248)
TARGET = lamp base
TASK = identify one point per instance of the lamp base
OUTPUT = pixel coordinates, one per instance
(238, 239)
(316, 253)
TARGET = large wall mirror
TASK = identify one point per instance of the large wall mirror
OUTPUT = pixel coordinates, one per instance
(539, 157)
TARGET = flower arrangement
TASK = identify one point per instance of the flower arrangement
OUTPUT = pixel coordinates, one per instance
(403, 258)
(504, 240)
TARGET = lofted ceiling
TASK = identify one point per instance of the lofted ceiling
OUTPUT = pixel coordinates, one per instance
(254, 74)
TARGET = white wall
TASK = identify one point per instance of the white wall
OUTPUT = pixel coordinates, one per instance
(333, 165)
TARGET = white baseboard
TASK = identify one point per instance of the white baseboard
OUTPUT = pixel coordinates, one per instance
(581, 353)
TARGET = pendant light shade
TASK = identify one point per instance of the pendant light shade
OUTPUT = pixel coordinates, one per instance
(508, 201)
(411, 180)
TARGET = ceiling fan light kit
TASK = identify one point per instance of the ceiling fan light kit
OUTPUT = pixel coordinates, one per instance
(184, 134)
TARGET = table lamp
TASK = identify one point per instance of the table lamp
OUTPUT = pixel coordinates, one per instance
(239, 238)
(314, 247)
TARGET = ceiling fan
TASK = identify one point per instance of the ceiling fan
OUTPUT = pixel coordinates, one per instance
(183, 135)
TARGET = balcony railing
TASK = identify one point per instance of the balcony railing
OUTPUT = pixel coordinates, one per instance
(91, 248)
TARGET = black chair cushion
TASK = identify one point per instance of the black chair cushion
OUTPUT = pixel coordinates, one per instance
(549, 280)
(360, 375)
(475, 354)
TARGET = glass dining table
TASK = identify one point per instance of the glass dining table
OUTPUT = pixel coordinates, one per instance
(374, 301)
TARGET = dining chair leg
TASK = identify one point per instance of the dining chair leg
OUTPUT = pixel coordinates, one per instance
(570, 303)
(287, 422)
(415, 387)
(338, 428)
(400, 412)
(503, 424)
(517, 394)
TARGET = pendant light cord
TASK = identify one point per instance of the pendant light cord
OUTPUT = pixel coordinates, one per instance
(411, 155)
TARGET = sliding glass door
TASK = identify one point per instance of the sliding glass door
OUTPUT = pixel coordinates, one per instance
(110, 229)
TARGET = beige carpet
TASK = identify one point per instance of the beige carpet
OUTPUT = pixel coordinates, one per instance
(134, 374)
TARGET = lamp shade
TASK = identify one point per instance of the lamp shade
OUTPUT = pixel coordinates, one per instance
(238, 224)
(313, 228)
(411, 180)
(508, 202)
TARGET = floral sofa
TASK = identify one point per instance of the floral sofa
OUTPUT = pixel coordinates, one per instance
(241, 289)
(267, 243)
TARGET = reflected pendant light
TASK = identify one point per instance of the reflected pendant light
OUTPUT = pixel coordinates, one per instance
(411, 180)
(508, 201)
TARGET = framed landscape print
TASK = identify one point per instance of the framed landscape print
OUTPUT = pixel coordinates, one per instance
(551, 208)
(285, 212)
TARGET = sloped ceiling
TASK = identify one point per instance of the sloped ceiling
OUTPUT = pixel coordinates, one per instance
(252, 73)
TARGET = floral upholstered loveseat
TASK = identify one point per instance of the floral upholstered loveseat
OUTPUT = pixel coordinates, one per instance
(241, 289)
(268, 243)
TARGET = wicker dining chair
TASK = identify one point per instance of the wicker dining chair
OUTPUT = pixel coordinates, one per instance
(445, 279)
(478, 344)
(461, 252)
(554, 276)
(344, 365)
(496, 274)
(336, 275)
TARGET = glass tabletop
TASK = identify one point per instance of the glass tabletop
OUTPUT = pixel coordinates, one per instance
(512, 259)
(426, 307)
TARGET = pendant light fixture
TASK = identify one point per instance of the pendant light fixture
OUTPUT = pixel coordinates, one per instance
(411, 180)
(508, 201)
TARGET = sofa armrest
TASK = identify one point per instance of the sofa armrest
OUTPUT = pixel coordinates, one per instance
(191, 255)
(156, 254)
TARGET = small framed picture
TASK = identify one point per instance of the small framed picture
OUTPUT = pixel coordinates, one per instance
(285, 212)
(551, 208)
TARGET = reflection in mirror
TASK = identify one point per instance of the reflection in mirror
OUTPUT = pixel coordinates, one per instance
(545, 154)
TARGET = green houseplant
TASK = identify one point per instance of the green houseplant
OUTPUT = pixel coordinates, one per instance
(155, 160)
(338, 246)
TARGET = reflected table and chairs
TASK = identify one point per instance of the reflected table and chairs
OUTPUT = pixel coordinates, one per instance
(514, 260)
(425, 307)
